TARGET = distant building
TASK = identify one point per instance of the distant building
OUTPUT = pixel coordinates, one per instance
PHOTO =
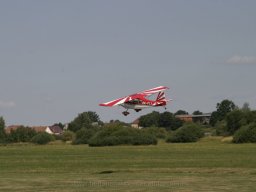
(135, 124)
(185, 118)
(11, 127)
(53, 130)
(202, 119)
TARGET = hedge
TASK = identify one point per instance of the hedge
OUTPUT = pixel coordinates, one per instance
(246, 134)
(189, 132)
(118, 135)
(42, 138)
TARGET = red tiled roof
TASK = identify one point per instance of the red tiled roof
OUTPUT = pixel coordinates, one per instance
(11, 127)
(39, 128)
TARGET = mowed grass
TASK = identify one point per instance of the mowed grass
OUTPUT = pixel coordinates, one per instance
(208, 165)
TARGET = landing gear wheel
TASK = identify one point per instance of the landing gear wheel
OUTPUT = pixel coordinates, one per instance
(125, 113)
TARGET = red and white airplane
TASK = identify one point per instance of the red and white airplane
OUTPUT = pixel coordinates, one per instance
(139, 101)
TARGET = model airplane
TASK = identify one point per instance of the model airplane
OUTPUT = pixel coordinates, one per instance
(139, 101)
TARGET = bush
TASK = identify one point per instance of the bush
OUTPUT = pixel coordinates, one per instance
(21, 134)
(67, 136)
(42, 138)
(160, 133)
(118, 135)
(156, 119)
(83, 135)
(144, 139)
(188, 133)
(3, 138)
(221, 128)
(246, 134)
(57, 137)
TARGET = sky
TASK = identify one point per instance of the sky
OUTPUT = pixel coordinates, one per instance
(59, 58)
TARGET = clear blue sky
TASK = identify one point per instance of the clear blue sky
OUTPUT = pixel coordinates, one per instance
(59, 58)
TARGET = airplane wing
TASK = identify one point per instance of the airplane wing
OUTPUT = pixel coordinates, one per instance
(139, 95)
(114, 102)
(153, 90)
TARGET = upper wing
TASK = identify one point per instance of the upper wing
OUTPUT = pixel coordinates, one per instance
(153, 91)
(139, 95)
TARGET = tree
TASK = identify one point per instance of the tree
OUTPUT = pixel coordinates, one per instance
(223, 109)
(2, 124)
(214, 118)
(169, 121)
(22, 134)
(197, 112)
(2, 130)
(83, 120)
(181, 112)
(93, 116)
(234, 121)
(238, 118)
(246, 107)
(156, 119)
(149, 120)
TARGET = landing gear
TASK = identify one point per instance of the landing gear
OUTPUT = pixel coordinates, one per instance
(125, 113)
(137, 110)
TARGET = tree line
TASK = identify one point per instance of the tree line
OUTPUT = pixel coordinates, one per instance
(87, 128)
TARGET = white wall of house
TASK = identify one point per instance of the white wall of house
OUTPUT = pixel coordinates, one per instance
(48, 130)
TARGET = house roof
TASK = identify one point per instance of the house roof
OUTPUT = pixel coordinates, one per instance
(56, 129)
(189, 116)
(136, 121)
(11, 127)
(39, 128)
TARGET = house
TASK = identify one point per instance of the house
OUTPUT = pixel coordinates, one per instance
(39, 128)
(135, 124)
(53, 130)
(185, 118)
(202, 119)
(11, 127)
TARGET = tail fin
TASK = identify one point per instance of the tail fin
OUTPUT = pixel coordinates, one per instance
(161, 97)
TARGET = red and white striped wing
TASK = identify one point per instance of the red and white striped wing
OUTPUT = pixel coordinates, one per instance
(114, 102)
(153, 90)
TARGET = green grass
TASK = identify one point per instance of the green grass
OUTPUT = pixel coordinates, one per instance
(208, 165)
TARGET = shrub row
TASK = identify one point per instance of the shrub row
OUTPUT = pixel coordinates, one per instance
(26, 134)
(246, 134)
(119, 135)
(42, 138)
(187, 133)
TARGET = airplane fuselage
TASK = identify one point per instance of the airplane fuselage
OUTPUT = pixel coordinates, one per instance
(143, 104)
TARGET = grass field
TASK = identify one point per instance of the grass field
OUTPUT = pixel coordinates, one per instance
(208, 165)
